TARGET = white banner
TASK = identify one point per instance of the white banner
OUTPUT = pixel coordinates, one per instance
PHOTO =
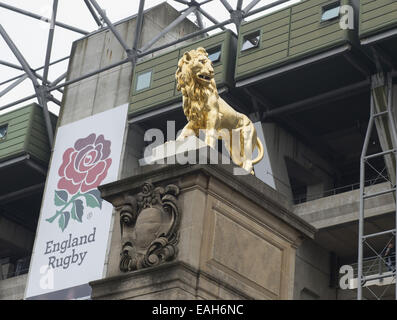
(73, 228)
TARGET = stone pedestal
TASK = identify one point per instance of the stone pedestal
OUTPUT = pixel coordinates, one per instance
(199, 232)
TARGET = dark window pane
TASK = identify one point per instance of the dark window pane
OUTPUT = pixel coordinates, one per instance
(3, 131)
(250, 41)
(330, 12)
(214, 54)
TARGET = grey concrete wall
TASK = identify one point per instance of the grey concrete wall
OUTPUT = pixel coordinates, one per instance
(282, 145)
(343, 208)
(111, 88)
(133, 151)
(312, 273)
(13, 288)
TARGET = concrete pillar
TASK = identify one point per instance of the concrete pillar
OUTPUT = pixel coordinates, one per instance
(290, 158)
(199, 232)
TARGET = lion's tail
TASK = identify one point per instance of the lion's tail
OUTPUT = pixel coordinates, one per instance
(261, 151)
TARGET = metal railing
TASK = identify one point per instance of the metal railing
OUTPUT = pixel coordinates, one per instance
(335, 191)
(375, 265)
(20, 267)
(15, 274)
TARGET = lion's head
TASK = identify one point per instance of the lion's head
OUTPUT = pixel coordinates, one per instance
(195, 72)
(195, 79)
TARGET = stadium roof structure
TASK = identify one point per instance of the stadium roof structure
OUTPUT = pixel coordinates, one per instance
(44, 87)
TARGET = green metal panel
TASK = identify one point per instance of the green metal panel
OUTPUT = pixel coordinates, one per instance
(288, 35)
(162, 90)
(37, 143)
(18, 124)
(377, 16)
(26, 134)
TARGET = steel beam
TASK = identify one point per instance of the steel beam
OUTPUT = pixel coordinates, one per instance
(227, 6)
(38, 17)
(35, 70)
(93, 13)
(144, 51)
(183, 2)
(11, 65)
(88, 75)
(40, 90)
(209, 17)
(380, 153)
(361, 208)
(56, 101)
(138, 31)
(19, 56)
(46, 82)
(111, 26)
(13, 85)
(199, 19)
(205, 2)
(392, 124)
(187, 37)
(58, 80)
(252, 4)
(239, 4)
(168, 28)
(42, 93)
(18, 102)
(393, 231)
(266, 7)
(50, 41)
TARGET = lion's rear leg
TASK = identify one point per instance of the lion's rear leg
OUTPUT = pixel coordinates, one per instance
(235, 147)
(248, 135)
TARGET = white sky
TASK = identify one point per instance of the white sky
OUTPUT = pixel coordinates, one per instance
(30, 35)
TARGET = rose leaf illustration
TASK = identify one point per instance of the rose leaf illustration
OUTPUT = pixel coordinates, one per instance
(93, 199)
(64, 220)
(61, 197)
(78, 210)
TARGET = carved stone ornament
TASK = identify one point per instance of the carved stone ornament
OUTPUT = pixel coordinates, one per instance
(149, 227)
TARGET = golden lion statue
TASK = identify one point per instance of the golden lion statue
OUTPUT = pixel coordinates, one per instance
(205, 110)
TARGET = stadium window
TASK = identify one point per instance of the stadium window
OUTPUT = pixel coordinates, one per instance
(250, 41)
(214, 54)
(143, 80)
(330, 12)
(3, 131)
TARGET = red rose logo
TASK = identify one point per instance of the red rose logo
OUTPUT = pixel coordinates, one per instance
(83, 169)
(86, 165)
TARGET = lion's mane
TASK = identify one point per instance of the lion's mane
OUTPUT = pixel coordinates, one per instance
(195, 95)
